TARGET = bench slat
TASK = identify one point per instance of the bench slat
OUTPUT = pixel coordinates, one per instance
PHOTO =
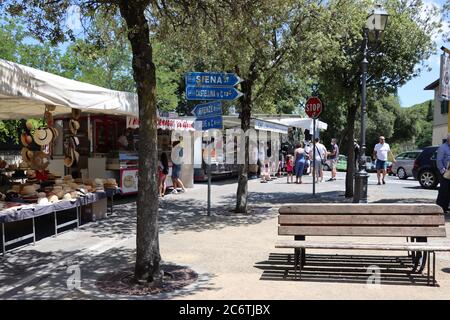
(411, 246)
(324, 219)
(343, 208)
(385, 231)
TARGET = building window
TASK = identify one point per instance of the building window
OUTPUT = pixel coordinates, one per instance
(444, 106)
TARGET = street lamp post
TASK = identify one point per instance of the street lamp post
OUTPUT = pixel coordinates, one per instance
(376, 23)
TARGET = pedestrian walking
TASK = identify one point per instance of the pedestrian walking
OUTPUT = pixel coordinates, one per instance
(290, 168)
(319, 160)
(333, 156)
(178, 185)
(300, 161)
(356, 149)
(442, 162)
(380, 154)
(309, 159)
(163, 170)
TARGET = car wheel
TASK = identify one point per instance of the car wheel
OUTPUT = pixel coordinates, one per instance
(428, 179)
(401, 174)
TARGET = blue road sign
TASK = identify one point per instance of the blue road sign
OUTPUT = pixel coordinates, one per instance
(207, 110)
(212, 79)
(212, 93)
(209, 123)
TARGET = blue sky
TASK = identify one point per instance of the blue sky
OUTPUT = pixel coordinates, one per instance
(412, 92)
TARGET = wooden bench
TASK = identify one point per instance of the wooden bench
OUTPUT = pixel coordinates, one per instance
(415, 222)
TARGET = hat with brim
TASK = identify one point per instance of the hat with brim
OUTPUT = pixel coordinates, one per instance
(68, 161)
(27, 155)
(76, 113)
(26, 139)
(43, 137)
(50, 107)
(55, 132)
(74, 125)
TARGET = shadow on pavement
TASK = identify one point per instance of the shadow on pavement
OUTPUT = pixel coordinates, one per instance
(31, 274)
(341, 269)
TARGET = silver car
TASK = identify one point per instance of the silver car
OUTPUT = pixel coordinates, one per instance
(405, 163)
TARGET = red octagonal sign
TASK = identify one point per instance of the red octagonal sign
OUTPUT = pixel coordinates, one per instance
(313, 107)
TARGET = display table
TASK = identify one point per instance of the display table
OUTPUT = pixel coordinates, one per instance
(11, 212)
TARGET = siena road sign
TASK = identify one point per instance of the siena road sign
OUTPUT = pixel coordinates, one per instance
(212, 79)
(212, 93)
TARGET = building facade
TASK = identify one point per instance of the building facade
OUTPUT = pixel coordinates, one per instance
(440, 115)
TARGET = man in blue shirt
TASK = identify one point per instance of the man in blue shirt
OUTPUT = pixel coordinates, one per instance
(442, 160)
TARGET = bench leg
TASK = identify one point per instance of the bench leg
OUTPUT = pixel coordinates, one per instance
(296, 261)
(303, 251)
(434, 267)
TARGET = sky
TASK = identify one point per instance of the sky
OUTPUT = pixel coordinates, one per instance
(412, 92)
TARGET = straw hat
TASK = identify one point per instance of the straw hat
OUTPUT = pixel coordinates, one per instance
(76, 113)
(43, 201)
(58, 182)
(26, 139)
(68, 177)
(27, 155)
(67, 196)
(43, 137)
(74, 125)
(16, 188)
(53, 198)
(28, 189)
(68, 161)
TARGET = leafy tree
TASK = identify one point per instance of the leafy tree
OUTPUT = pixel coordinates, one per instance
(254, 39)
(407, 43)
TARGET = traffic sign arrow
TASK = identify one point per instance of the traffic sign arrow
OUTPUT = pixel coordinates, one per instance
(212, 79)
(209, 109)
(212, 93)
(209, 123)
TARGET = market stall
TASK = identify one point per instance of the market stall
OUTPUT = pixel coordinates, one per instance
(55, 148)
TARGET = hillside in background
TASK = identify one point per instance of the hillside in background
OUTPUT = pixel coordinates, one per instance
(423, 115)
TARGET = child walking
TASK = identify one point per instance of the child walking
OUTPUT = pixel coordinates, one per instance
(290, 168)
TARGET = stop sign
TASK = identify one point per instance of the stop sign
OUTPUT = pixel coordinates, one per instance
(313, 107)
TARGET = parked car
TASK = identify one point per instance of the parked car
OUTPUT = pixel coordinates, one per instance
(405, 163)
(341, 164)
(389, 169)
(425, 169)
(370, 165)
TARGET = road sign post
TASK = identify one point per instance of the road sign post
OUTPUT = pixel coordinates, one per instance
(211, 86)
(313, 109)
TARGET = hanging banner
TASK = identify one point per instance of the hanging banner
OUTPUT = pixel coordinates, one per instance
(444, 84)
(165, 124)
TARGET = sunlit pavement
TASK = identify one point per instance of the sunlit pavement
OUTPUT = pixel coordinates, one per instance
(229, 251)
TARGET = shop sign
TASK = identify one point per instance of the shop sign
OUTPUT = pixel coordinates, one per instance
(129, 181)
(444, 85)
(175, 124)
(270, 126)
(132, 122)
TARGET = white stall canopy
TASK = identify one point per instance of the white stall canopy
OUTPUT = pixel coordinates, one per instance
(25, 91)
(303, 123)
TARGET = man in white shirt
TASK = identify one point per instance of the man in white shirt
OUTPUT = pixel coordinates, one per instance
(380, 153)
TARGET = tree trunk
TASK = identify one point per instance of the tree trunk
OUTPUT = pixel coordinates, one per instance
(246, 110)
(349, 176)
(147, 268)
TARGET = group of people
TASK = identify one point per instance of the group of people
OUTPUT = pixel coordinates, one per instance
(163, 171)
(307, 157)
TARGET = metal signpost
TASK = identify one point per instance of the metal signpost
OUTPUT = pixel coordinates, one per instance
(313, 109)
(211, 86)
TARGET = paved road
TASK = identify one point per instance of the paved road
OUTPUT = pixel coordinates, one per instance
(231, 252)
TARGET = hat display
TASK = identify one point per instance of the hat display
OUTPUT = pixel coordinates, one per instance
(110, 183)
(50, 107)
(68, 161)
(67, 196)
(43, 200)
(74, 125)
(29, 189)
(43, 137)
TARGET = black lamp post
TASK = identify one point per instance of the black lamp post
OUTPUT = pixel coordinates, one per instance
(373, 31)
